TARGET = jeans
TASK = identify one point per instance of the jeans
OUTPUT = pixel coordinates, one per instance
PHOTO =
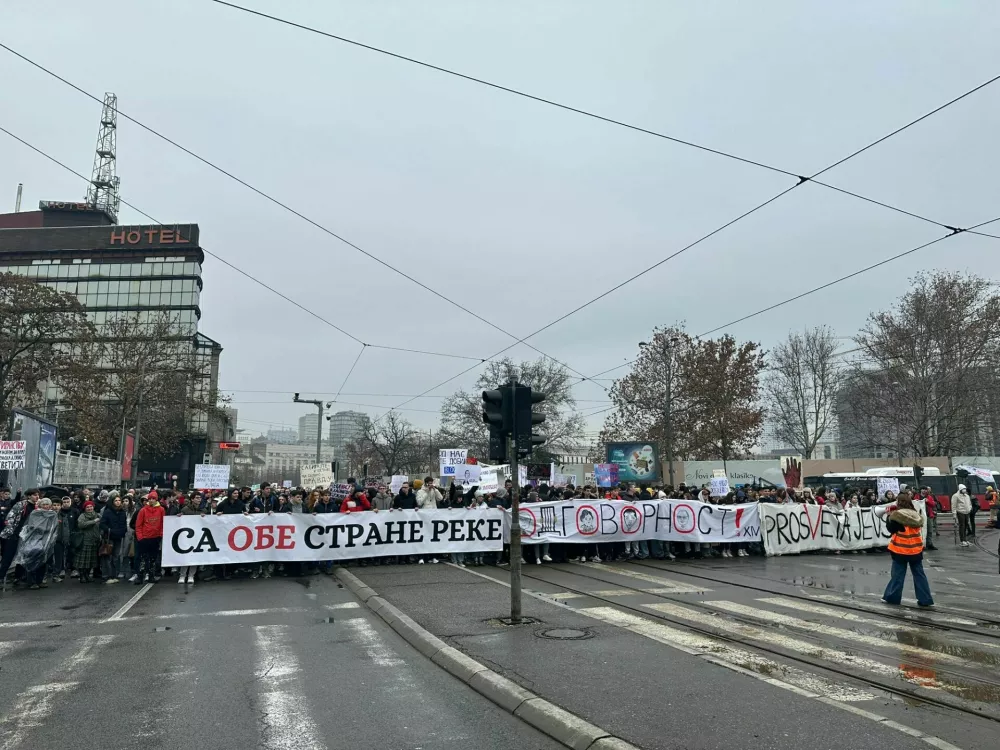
(894, 591)
(148, 553)
(111, 565)
(458, 558)
(962, 521)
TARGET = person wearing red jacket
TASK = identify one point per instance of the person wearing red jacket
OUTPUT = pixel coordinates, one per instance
(356, 502)
(149, 534)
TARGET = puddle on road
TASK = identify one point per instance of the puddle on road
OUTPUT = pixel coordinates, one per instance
(963, 652)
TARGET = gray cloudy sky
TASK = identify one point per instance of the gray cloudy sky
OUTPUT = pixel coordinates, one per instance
(453, 182)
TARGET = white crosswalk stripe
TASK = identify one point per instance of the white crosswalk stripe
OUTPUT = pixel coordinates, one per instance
(847, 635)
(282, 702)
(789, 643)
(664, 585)
(33, 706)
(695, 642)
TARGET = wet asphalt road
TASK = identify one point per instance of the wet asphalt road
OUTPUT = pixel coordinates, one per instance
(241, 664)
(784, 652)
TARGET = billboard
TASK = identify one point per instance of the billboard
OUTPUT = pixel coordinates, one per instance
(637, 462)
(40, 451)
(762, 471)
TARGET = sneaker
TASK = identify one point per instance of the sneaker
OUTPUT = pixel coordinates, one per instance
(74, 574)
(595, 558)
(546, 558)
(190, 579)
(537, 561)
(181, 580)
(965, 544)
(43, 585)
(725, 553)
(420, 561)
(434, 561)
(110, 581)
(671, 556)
(255, 574)
(156, 579)
(34, 587)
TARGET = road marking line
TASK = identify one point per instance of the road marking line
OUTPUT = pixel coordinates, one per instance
(784, 641)
(828, 610)
(380, 652)
(284, 719)
(954, 581)
(7, 646)
(847, 635)
(33, 623)
(130, 603)
(932, 616)
(841, 705)
(747, 661)
(33, 706)
(666, 585)
(342, 605)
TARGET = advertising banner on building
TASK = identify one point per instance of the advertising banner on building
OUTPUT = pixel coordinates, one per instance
(598, 521)
(288, 537)
(637, 462)
(762, 472)
(791, 528)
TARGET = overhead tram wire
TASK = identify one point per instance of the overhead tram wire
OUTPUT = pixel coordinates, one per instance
(285, 206)
(616, 122)
(731, 222)
(349, 373)
(240, 271)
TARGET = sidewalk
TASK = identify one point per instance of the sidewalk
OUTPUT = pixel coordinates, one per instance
(647, 693)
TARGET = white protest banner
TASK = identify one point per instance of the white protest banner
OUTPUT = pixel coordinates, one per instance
(985, 474)
(597, 521)
(791, 528)
(398, 480)
(488, 480)
(467, 474)
(719, 486)
(719, 474)
(522, 475)
(451, 457)
(13, 453)
(286, 483)
(340, 491)
(211, 476)
(289, 537)
(316, 475)
(887, 483)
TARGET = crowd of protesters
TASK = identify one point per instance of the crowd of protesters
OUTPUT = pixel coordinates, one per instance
(112, 536)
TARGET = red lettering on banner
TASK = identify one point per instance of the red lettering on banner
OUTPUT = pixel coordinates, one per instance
(819, 517)
(285, 540)
(232, 538)
(265, 537)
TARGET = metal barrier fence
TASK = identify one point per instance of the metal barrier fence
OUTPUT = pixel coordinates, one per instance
(81, 468)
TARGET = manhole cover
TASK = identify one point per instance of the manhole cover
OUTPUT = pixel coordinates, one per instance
(565, 634)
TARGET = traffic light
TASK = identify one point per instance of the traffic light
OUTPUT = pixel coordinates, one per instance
(527, 418)
(497, 415)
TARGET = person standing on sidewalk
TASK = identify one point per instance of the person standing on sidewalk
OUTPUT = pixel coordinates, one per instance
(90, 538)
(907, 549)
(961, 506)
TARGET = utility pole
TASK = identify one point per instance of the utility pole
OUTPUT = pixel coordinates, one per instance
(669, 351)
(319, 424)
(515, 515)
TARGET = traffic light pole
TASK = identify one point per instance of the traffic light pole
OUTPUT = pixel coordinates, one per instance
(515, 522)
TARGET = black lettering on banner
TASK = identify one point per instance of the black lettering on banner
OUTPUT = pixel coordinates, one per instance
(374, 536)
(781, 528)
(439, 527)
(189, 533)
(702, 512)
(725, 512)
(867, 525)
(495, 526)
(664, 513)
(309, 537)
(547, 524)
(564, 511)
(397, 529)
(334, 532)
(751, 532)
(416, 532)
(475, 534)
(648, 511)
(207, 540)
(608, 515)
(354, 532)
(455, 535)
(824, 531)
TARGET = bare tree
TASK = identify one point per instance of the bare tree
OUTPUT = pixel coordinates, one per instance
(461, 413)
(392, 442)
(801, 386)
(42, 332)
(138, 370)
(928, 378)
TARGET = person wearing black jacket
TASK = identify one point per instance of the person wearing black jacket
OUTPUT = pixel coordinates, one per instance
(114, 527)
(230, 506)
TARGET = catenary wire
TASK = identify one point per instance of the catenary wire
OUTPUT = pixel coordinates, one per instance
(614, 121)
(284, 206)
(239, 270)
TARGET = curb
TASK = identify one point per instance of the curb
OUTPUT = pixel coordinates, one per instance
(556, 722)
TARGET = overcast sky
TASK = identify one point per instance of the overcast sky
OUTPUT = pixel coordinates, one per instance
(517, 210)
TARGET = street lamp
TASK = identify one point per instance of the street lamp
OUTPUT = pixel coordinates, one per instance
(668, 352)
